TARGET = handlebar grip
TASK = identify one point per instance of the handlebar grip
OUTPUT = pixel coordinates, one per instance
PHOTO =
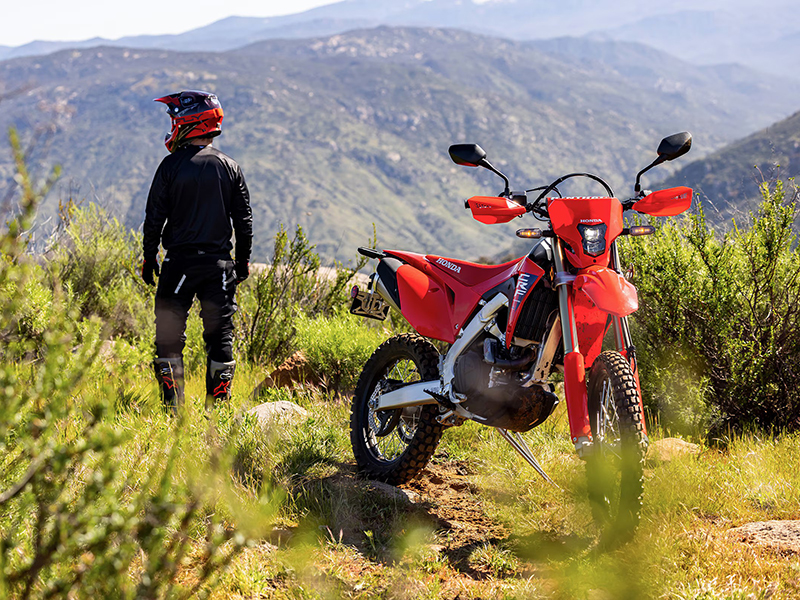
(628, 204)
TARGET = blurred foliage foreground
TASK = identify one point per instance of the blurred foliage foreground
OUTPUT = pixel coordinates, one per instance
(101, 495)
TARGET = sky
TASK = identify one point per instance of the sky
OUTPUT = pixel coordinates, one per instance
(68, 20)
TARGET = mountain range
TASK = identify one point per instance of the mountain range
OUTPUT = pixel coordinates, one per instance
(728, 180)
(337, 133)
(764, 36)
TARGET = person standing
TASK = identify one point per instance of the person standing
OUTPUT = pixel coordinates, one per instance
(197, 200)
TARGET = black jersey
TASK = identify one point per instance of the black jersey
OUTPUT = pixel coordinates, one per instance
(198, 198)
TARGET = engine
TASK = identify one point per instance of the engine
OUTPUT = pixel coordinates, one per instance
(493, 381)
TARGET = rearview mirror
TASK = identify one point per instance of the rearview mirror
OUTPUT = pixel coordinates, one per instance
(674, 146)
(670, 148)
(467, 155)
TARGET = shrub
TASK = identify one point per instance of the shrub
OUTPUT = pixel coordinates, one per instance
(97, 260)
(337, 347)
(291, 285)
(723, 314)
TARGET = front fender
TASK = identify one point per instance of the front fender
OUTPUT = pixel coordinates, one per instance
(609, 290)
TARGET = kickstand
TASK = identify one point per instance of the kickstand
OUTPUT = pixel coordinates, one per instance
(518, 443)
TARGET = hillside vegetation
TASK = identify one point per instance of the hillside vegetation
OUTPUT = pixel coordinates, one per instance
(338, 133)
(102, 495)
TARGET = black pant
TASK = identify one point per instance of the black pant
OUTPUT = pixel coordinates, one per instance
(213, 281)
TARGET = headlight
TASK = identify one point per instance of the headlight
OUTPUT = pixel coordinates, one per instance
(594, 238)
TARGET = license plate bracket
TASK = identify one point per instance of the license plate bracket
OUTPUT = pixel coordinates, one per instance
(369, 305)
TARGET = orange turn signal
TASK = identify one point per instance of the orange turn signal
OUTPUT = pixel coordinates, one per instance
(641, 230)
(529, 233)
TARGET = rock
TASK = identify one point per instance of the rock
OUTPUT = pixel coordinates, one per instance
(782, 536)
(394, 493)
(106, 351)
(295, 371)
(282, 411)
(671, 448)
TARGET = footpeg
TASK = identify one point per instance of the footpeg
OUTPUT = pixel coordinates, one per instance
(441, 399)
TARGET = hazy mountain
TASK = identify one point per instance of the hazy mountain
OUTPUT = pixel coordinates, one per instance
(763, 36)
(341, 132)
(727, 180)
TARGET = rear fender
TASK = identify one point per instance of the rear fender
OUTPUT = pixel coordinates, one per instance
(609, 290)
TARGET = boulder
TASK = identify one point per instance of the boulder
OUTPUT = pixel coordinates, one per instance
(781, 536)
(392, 493)
(282, 411)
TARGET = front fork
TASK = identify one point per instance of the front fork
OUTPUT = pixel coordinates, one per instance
(574, 367)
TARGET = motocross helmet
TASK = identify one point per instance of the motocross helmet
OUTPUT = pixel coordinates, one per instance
(193, 114)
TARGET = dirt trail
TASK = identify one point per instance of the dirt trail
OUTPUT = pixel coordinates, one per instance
(372, 517)
(453, 501)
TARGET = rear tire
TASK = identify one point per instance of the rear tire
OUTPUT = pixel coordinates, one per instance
(614, 466)
(395, 447)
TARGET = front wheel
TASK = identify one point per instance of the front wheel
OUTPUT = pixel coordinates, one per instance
(614, 466)
(393, 446)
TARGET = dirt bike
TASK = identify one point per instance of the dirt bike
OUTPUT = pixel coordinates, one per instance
(509, 328)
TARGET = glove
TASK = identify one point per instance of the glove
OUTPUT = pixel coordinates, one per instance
(149, 269)
(242, 271)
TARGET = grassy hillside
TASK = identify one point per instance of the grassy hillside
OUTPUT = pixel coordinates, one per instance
(339, 133)
(102, 495)
(728, 180)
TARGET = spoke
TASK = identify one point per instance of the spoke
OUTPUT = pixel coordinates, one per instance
(391, 446)
(608, 421)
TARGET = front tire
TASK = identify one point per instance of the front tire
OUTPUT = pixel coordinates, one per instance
(394, 446)
(614, 466)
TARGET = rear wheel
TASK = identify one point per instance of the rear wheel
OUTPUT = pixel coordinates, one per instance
(393, 446)
(614, 466)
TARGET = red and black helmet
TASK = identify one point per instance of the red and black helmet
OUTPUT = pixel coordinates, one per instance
(194, 115)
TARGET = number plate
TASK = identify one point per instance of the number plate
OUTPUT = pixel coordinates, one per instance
(369, 305)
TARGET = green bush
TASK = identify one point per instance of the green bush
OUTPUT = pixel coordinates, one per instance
(97, 260)
(291, 285)
(719, 318)
(24, 334)
(337, 347)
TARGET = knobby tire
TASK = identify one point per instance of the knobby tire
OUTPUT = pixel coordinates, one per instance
(422, 443)
(614, 467)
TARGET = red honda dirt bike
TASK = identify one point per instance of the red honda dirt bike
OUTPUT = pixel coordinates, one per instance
(510, 327)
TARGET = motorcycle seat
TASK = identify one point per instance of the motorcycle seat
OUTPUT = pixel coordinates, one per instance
(471, 274)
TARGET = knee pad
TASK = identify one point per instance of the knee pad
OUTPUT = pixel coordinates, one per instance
(219, 377)
(169, 373)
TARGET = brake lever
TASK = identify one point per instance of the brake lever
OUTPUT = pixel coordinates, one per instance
(537, 209)
(628, 204)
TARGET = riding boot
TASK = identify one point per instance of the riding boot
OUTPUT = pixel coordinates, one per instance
(219, 376)
(169, 372)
